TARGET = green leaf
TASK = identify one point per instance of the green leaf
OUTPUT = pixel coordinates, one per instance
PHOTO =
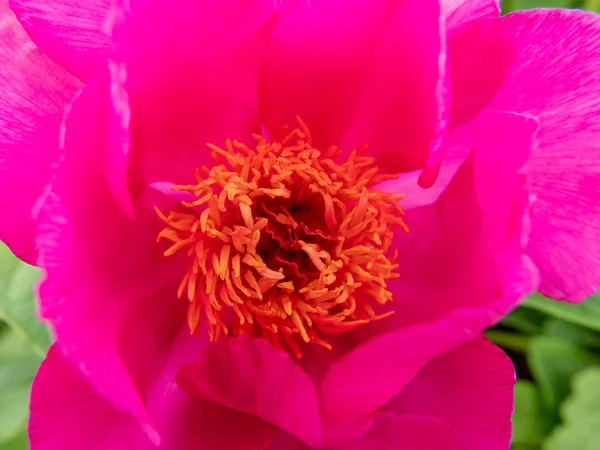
(528, 4)
(515, 446)
(17, 305)
(581, 428)
(525, 320)
(585, 314)
(514, 5)
(553, 363)
(18, 364)
(508, 340)
(19, 442)
(592, 5)
(529, 423)
(570, 332)
(582, 405)
(14, 410)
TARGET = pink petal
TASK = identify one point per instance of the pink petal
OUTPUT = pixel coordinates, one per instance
(109, 292)
(66, 413)
(402, 115)
(285, 441)
(480, 57)
(407, 432)
(496, 174)
(68, 31)
(469, 388)
(318, 64)
(189, 71)
(185, 421)
(555, 77)
(462, 268)
(463, 11)
(390, 432)
(35, 92)
(250, 375)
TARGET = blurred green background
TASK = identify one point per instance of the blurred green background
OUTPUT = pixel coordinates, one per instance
(555, 348)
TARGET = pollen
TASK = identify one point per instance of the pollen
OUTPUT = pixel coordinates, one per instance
(285, 242)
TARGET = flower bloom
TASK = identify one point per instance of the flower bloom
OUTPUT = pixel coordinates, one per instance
(284, 225)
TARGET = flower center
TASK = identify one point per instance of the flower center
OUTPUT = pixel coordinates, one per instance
(285, 242)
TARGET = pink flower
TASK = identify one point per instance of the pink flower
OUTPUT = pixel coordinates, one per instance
(292, 252)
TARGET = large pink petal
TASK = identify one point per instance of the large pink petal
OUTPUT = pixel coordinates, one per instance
(189, 71)
(462, 11)
(480, 57)
(402, 115)
(35, 92)
(407, 432)
(250, 375)
(69, 31)
(318, 64)
(469, 388)
(555, 77)
(109, 293)
(390, 432)
(67, 414)
(462, 268)
(186, 421)
(285, 441)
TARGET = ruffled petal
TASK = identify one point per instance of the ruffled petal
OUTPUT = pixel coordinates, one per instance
(390, 431)
(69, 31)
(462, 267)
(250, 375)
(480, 57)
(462, 11)
(555, 77)
(407, 432)
(471, 389)
(35, 93)
(66, 413)
(109, 292)
(402, 116)
(318, 64)
(185, 421)
(189, 72)
(285, 441)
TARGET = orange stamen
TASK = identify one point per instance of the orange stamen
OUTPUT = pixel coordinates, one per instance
(286, 240)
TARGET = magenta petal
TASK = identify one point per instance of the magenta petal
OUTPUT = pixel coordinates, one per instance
(402, 114)
(285, 441)
(189, 71)
(497, 174)
(461, 250)
(35, 92)
(109, 293)
(469, 388)
(390, 431)
(186, 422)
(463, 11)
(555, 77)
(407, 432)
(66, 413)
(318, 64)
(68, 31)
(250, 375)
(462, 267)
(480, 57)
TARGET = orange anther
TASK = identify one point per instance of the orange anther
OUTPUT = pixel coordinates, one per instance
(286, 242)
